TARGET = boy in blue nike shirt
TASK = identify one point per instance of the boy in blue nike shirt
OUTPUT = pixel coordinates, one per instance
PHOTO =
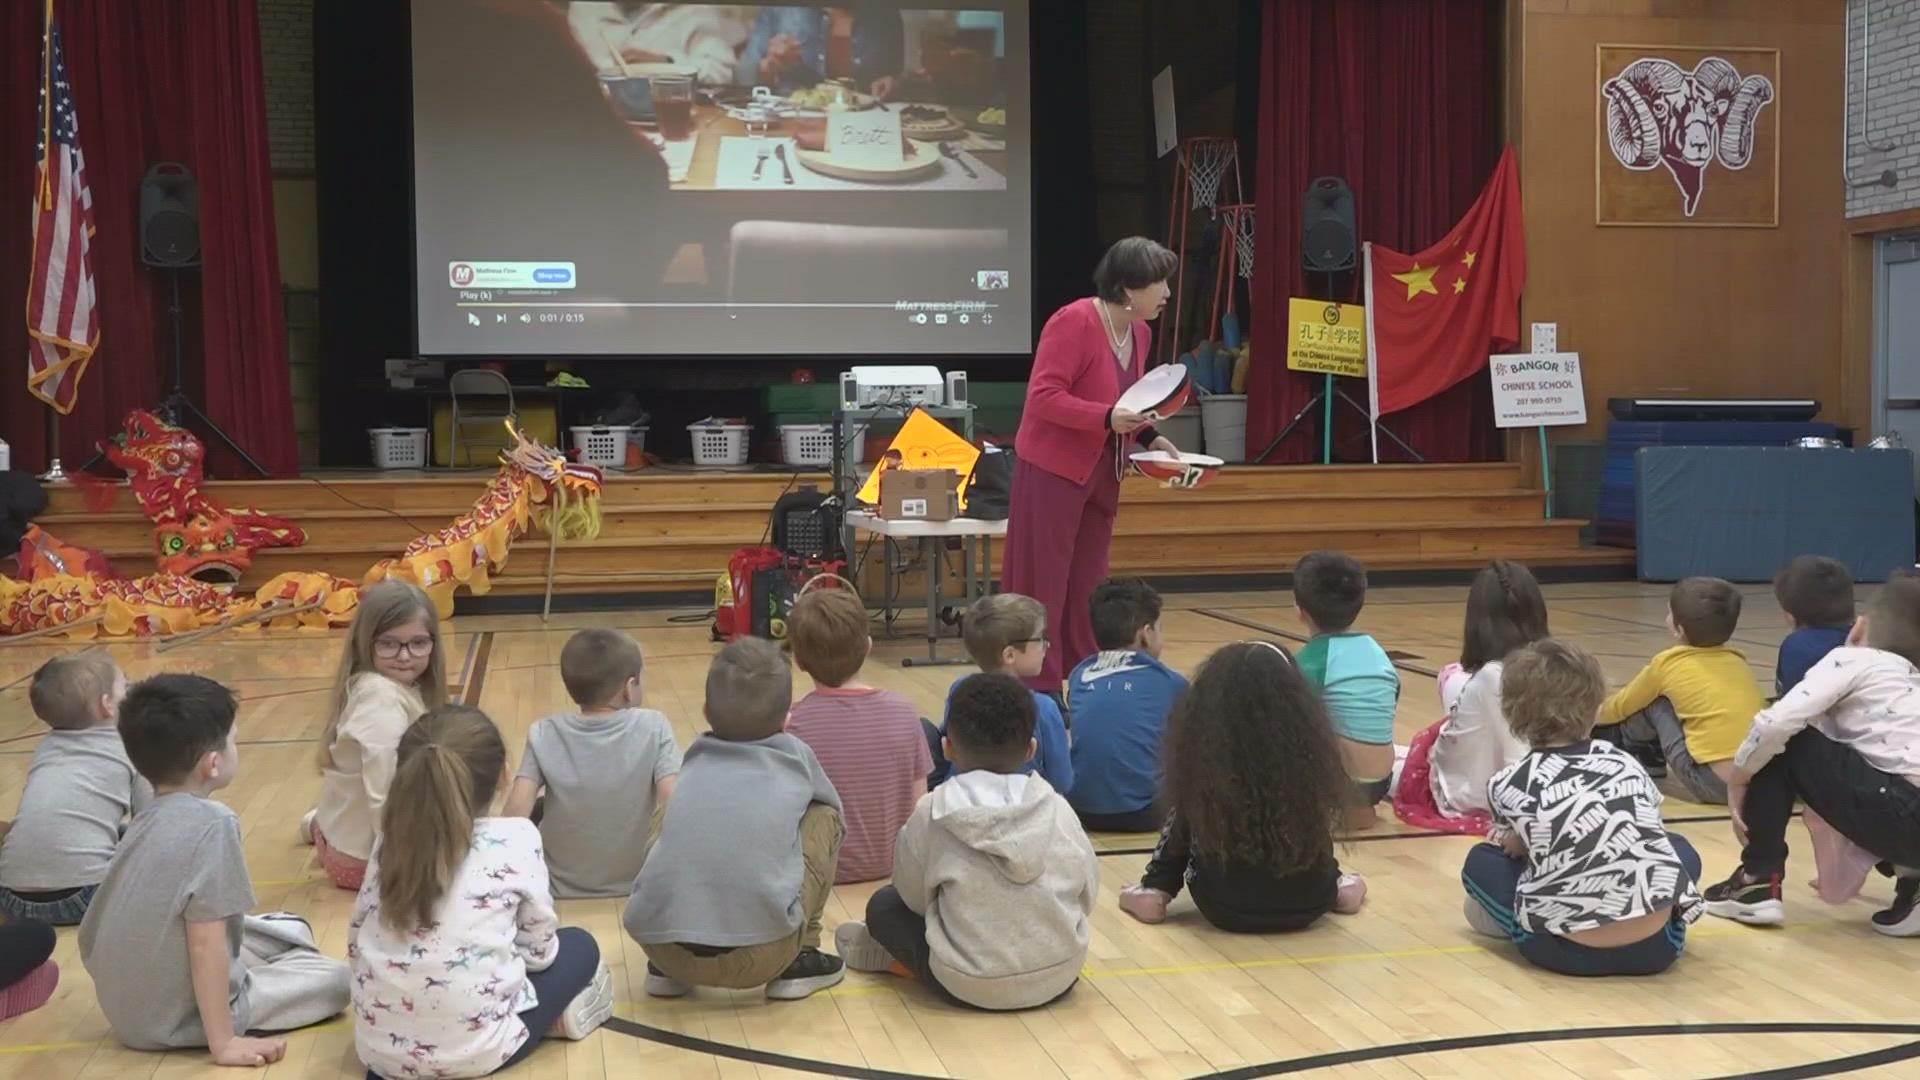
(1120, 698)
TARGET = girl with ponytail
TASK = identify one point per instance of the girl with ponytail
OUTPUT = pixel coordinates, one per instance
(460, 965)
(1444, 782)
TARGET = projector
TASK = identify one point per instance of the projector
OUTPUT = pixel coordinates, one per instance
(903, 386)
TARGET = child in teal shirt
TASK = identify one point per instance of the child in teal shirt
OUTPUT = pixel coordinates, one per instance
(1355, 678)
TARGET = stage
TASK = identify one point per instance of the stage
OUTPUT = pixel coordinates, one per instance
(670, 530)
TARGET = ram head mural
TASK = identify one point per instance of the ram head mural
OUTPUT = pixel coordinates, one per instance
(1659, 113)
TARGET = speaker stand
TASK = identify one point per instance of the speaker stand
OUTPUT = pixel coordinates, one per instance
(177, 407)
(1324, 398)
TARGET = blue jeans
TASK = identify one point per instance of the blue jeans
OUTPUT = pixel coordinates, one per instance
(572, 971)
(1492, 878)
(66, 911)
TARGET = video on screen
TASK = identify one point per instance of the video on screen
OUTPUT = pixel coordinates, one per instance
(610, 177)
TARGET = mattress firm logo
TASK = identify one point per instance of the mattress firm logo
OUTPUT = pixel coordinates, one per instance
(510, 275)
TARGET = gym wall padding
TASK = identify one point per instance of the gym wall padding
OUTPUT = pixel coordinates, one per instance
(1738, 512)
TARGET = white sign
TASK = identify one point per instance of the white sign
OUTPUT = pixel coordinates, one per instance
(1164, 136)
(1538, 389)
(865, 137)
(1546, 337)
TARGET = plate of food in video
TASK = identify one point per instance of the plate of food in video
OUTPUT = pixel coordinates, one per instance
(830, 97)
(991, 121)
(930, 122)
(917, 160)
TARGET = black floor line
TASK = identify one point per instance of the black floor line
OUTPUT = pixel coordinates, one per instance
(1295, 636)
(1425, 834)
(1520, 1038)
(757, 1057)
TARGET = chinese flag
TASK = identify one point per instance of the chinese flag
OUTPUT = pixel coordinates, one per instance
(1438, 314)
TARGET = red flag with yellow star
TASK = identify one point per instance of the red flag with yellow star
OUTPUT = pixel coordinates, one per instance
(1437, 315)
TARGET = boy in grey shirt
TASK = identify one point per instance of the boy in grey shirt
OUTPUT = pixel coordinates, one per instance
(742, 865)
(175, 958)
(80, 790)
(606, 769)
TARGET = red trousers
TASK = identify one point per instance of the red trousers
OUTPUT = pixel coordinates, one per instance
(1058, 533)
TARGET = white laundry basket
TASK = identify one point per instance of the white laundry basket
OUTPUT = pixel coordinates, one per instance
(398, 447)
(602, 446)
(718, 443)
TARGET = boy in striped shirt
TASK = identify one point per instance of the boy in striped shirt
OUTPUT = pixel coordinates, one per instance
(869, 741)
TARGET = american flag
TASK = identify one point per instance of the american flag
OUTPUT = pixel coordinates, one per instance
(60, 304)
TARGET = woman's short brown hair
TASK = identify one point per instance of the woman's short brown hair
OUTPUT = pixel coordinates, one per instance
(1133, 263)
(1550, 692)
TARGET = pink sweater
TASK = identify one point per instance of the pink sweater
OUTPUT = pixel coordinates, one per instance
(1074, 383)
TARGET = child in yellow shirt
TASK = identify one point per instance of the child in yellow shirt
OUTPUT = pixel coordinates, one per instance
(1693, 702)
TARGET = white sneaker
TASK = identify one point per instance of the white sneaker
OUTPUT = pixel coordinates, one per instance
(306, 826)
(589, 1008)
(856, 946)
(1482, 921)
(661, 985)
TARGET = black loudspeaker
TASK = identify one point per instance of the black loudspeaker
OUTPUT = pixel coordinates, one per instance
(1326, 225)
(169, 216)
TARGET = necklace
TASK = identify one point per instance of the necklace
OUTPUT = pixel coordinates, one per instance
(1119, 339)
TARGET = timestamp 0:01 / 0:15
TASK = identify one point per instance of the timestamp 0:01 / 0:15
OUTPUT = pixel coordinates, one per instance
(561, 317)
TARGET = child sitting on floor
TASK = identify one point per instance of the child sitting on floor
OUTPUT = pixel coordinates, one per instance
(1007, 634)
(392, 669)
(28, 975)
(460, 966)
(1505, 611)
(175, 958)
(993, 879)
(1120, 698)
(1254, 790)
(1846, 742)
(868, 740)
(1352, 673)
(81, 789)
(742, 862)
(1816, 593)
(1692, 703)
(604, 769)
(1581, 874)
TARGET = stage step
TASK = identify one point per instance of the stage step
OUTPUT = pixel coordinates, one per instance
(675, 530)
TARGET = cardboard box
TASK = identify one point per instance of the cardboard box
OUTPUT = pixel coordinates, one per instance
(920, 494)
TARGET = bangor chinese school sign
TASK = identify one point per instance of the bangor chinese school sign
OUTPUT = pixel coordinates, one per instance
(1327, 338)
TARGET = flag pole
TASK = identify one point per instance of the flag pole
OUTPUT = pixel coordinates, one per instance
(1373, 351)
(54, 474)
(1546, 469)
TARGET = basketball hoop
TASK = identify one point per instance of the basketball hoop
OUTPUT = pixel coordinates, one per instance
(1239, 222)
(1205, 162)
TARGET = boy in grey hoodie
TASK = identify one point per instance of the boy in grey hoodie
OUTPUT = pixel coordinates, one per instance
(993, 878)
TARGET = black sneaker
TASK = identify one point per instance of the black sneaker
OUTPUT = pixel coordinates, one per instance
(1903, 918)
(810, 972)
(1755, 902)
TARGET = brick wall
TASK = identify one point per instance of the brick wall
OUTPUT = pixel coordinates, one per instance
(1893, 73)
(286, 44)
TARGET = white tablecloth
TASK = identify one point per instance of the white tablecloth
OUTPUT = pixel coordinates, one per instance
(734, 172)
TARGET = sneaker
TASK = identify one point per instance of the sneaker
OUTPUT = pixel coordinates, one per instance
(858, 949)
(32, 991)
(1147, 905)
(1482, 922)
(811, 972)
(1747, 900)
(1349, 894)
(1903, 918)
(589, 1008)
(306, 826)
(665, 986)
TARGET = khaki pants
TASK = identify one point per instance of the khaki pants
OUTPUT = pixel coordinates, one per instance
(748, 966)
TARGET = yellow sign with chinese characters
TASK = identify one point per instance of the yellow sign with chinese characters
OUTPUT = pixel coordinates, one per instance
(1327, 338)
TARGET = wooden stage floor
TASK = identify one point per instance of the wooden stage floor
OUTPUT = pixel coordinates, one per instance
(1402, 989)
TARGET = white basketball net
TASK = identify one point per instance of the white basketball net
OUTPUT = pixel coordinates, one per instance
(1206, 163)
(1240, 221)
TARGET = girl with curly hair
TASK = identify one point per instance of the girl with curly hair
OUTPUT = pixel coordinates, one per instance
(1255, 787)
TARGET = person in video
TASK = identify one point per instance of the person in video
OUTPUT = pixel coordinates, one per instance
(796, 47)
(703, 37)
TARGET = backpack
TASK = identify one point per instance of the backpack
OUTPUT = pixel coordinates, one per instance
(990, 493)
(807, 524)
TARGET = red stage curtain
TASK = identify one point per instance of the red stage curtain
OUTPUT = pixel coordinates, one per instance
(154, 82)
(1402, 99)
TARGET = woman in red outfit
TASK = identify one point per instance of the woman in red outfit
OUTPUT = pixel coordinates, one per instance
(1072, 445)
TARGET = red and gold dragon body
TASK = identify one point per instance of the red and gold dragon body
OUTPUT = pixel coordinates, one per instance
(536, 485)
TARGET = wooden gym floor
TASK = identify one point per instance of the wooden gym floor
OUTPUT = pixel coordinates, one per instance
(1401, 990)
